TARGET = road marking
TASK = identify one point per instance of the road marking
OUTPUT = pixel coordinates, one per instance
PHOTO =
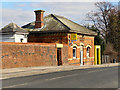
(15, 85)
(101, 70)
(91, 71)
(97, 70)
(42, 81)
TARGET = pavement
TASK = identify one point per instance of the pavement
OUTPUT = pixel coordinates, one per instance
(28, 71)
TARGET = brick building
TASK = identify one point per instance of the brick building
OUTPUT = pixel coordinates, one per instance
(72, 41)
(52, 40)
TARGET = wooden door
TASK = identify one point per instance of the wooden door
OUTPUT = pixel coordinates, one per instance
(59, 56)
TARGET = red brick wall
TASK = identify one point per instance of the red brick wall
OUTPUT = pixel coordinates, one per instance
(65, 55)
(28, 55)
(49, 38)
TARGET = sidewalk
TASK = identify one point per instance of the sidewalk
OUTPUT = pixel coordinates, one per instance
(27, 71)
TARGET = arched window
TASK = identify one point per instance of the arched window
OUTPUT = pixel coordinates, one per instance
(74, 52)
(88, 52)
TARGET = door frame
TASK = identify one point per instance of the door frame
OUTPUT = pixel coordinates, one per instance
(81, 55)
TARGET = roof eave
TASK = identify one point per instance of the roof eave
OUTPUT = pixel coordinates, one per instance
(22, 32)
(47, 31)
(88, 34)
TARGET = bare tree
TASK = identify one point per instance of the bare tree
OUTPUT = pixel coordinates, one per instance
(114, 30)
(100, 18)
(107, 21)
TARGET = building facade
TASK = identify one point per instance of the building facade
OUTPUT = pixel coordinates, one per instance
(62, 31)
(52, 41)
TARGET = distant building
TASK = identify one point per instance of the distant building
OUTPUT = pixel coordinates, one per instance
(13, 33)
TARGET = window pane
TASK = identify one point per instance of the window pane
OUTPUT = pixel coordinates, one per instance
(74, 52)
(88, 51)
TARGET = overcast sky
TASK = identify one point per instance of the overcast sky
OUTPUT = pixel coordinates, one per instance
(22, 12)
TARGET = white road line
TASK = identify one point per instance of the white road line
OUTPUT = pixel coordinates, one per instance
(15, 85)
(97, 70)
(44, 80)
(100, 70)
(91, 71)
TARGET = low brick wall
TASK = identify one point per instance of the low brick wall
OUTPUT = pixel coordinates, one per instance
(65, 55)
(28, 55)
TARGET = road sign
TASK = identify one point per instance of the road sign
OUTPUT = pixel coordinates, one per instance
(74, 37)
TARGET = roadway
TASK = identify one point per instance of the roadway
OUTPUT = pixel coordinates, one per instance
(105, 77)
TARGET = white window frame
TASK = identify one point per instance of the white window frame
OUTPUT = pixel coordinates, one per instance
(74, 57)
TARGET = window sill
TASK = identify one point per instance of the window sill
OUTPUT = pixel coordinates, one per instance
(74, 58)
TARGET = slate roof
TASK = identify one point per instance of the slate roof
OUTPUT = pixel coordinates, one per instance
(54, 23)
(12, 28)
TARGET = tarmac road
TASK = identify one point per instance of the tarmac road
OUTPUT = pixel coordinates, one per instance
(105, 77)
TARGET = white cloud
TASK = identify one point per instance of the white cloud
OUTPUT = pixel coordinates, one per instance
(20, 17)
(0, 15)
(73, 11)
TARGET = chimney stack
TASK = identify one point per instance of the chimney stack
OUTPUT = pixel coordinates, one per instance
(39, 18)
